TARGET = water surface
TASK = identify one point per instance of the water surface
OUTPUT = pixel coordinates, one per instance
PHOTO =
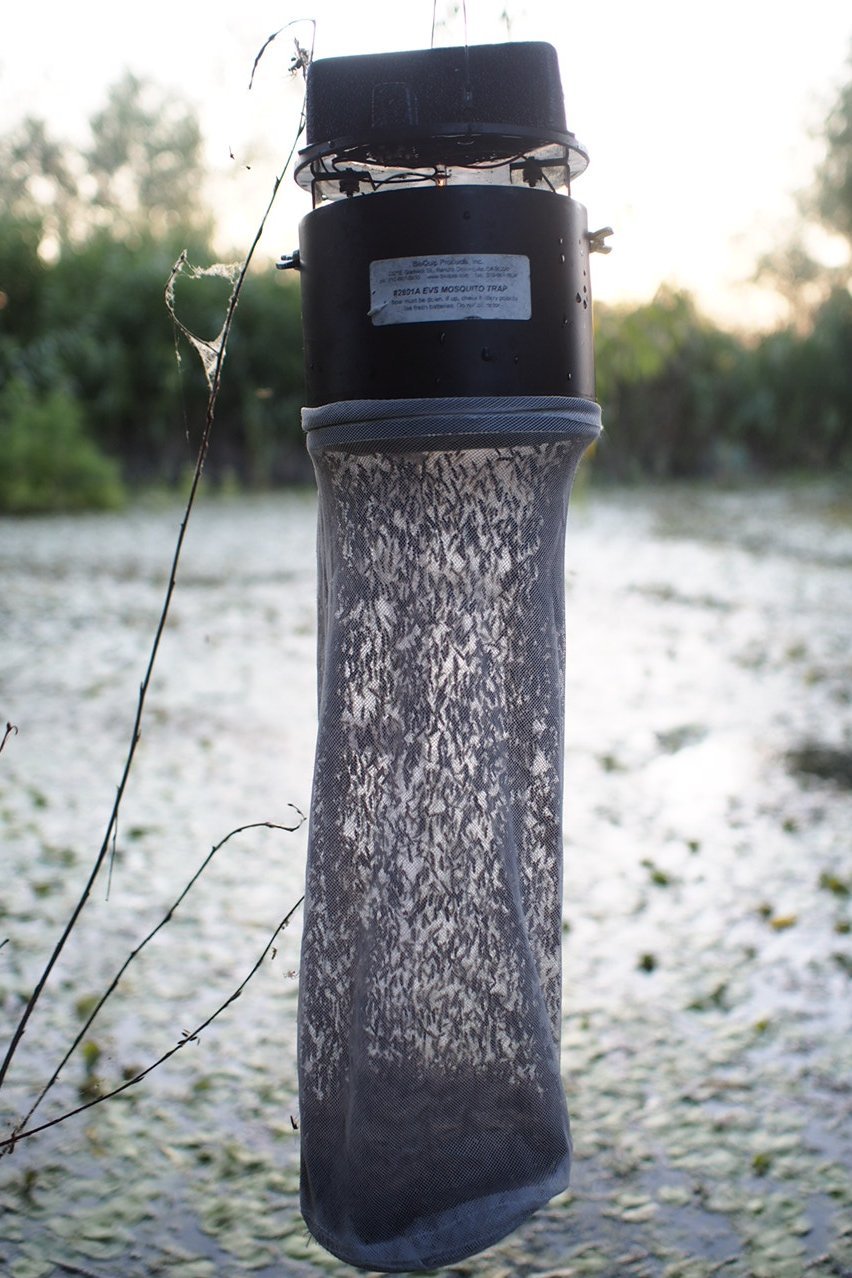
(707, 1046)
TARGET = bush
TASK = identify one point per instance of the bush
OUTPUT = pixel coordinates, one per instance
(683, 398)
(667, 383)
(49, 461)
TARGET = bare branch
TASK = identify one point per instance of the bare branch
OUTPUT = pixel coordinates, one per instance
(254, 825)
(214, 380)
(8, 1144)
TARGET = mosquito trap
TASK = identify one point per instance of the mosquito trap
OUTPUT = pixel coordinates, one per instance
(450, 383)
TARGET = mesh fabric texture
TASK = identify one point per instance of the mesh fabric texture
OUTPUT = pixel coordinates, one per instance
(433, 1119)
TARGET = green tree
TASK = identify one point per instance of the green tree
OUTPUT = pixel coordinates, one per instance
(145, 164)
(793, 393)
(21, 277)
(833, 193)
(38, 181)
(799, 269)
(140, 176)
(666, 379)
(106, 336)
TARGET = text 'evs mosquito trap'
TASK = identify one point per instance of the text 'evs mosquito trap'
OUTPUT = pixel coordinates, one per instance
(449, 364)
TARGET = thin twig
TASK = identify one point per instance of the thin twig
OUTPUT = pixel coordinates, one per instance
(254, 825)
(112, 856)
(8, 1143)
(11, 730)
(302, 58)
(135, 736)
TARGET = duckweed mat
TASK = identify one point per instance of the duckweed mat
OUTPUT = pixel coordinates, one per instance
(707, 1046)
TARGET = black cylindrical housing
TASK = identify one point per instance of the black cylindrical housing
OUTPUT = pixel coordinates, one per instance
(390, 284)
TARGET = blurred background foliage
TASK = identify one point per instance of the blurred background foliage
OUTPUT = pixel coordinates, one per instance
(93, 403)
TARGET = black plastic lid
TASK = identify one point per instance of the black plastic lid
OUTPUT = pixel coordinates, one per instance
(459, 105)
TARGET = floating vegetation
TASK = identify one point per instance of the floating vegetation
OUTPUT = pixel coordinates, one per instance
(674, 739)
(826, 763)
(717, 998)
(780, 922)
(706, 1045)
(830, 882)
(660, 878)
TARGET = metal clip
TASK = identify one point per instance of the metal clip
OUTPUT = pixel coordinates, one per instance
(350, 182)
(597, 240)
(532, 172)
(289, 261)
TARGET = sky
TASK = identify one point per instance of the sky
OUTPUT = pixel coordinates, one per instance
(702, 120)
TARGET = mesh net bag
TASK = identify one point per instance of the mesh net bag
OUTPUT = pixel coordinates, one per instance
(433, 1119)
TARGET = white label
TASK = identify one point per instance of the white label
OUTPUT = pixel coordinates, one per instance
(453, 286)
